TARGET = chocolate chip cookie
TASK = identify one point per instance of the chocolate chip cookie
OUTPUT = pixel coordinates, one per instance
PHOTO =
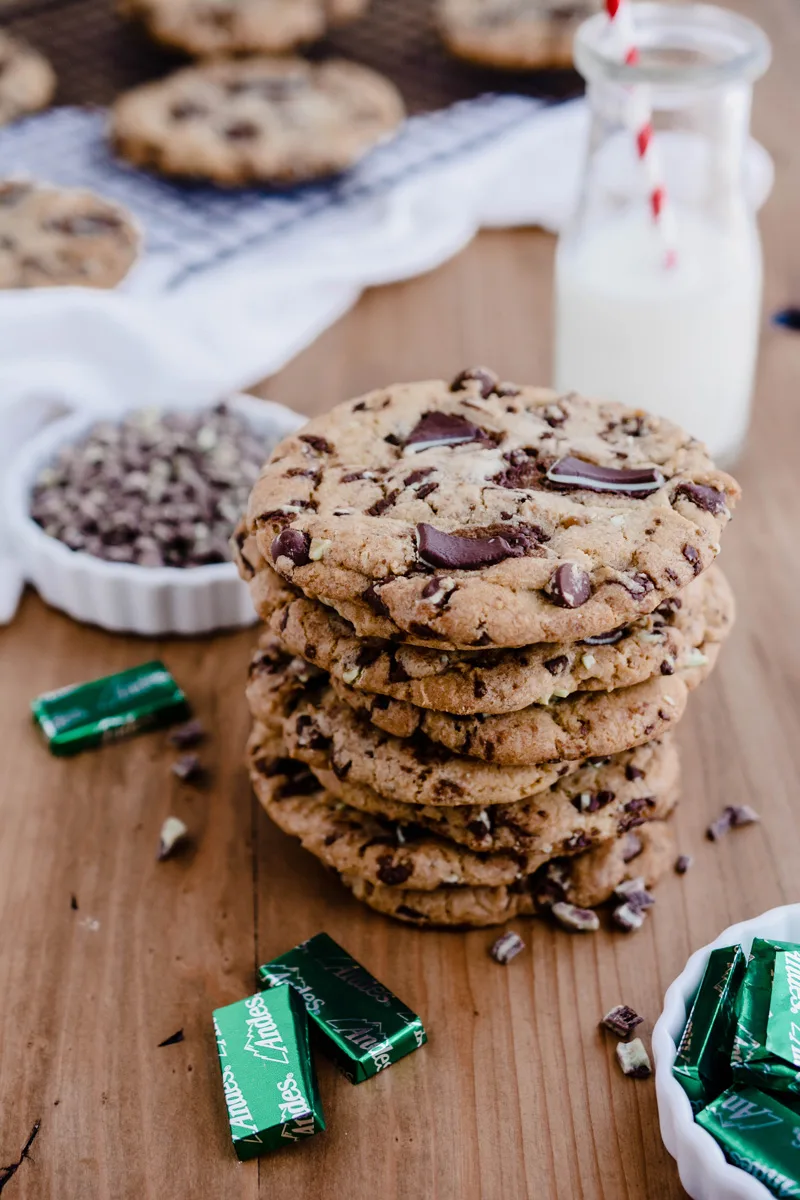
(324, 732)
(270, 120)
(586, 880)
(54, 237)
(382, 851)
(27, 81)
(221, 27)
(602, 799)
(585, 724)
(482, 514)
(518, 35)
(496, 681)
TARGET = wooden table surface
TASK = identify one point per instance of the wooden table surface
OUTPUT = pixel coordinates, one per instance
(517, 1094)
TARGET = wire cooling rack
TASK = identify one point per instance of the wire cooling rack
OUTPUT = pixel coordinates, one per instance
(97, 54)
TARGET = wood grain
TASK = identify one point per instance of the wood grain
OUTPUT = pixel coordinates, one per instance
(517, 1095)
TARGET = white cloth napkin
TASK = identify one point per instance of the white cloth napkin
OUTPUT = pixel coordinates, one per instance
(232, 286)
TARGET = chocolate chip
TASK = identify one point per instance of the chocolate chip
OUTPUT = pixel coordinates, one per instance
(487, 380)
(639, 585)
(632, 847)
(578, 920)
(692, 556)
(667, 667)
(478, 689)
(556, 666)
(392, 873)
(682, 863)
(703, 496)
(386, 502)
(242, 131)
(571, 472)
(292, 544)
(507, 946)
(607, 639)
(442, 429)
(634, 1059)
(320, 444)
(186, 110)
(621, 1020)
(732, 817)
(418, 476)
(426, 490)
(578, 841)
(632, 772)
(188, 735)
(569, 586)
(450, 550)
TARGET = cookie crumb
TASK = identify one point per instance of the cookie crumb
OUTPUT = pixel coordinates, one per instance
(187, 767)
(507, 946)
(621, 1020)
(634, 1059)
(173, 833)
(734, 816)
(187, 735)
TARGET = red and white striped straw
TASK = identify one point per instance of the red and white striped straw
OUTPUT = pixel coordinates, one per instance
(640, 118)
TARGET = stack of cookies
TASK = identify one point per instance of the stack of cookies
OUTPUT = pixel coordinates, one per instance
(485, 607)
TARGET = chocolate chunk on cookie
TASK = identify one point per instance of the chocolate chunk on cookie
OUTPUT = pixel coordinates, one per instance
(271, 120)
(55, 237)
(27, 81)
(554, 518)
(222, 27)
(515, 35)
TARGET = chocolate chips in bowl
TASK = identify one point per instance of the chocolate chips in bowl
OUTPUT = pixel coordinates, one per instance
(155, 489)
(124, 521)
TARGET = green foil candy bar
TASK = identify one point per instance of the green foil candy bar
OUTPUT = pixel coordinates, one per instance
(83, 715)
(766, 1049)
(363, 1027)
(267, 1072)
(758, 1134)
(702, 1063)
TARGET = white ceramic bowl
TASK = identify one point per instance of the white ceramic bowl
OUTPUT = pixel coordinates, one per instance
(123, 597)
(702, 1166)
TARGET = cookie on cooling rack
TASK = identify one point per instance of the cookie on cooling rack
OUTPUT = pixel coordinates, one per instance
(51, 237)
(216, 27)
(268, 120)
(27, 81)
(517, 35)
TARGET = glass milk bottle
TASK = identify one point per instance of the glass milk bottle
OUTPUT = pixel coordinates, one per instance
(681, 339)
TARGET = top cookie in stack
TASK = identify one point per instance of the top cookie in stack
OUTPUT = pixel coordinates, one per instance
(404, 546)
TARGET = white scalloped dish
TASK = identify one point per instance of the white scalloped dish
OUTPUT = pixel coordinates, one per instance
(702, 1166)
(123, 597)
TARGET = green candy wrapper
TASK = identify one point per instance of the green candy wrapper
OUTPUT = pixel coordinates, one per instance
(702, 1063)
(363, 1027)
(758, 1134)
(87, 714)
(267, 1072)
(766, 1048)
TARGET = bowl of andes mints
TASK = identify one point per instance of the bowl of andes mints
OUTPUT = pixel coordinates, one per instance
(123, 520)
(727, 1051)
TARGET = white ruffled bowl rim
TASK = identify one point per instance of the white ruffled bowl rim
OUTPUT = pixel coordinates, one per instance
(702, 1166)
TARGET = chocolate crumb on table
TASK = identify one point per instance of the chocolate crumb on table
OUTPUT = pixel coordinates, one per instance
(187, 767)
(174, 833)
(683, 863)
(507, 946)
(188, 735)
(732, 817)
(634, 1059)
(621, 1020)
